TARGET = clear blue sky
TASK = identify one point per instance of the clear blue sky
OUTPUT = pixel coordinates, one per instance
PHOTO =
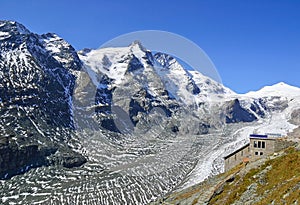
(252, 43)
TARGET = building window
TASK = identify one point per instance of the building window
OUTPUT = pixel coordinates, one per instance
(259, 144)
(256, 153)
(261, 153)
(242, 153)
(235, 157)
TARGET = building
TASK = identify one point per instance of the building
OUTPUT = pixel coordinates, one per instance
(236, 157)
(260, 146)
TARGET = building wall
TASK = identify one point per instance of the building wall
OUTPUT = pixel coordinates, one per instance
(281, 144)
(261, 147)
(237, 157)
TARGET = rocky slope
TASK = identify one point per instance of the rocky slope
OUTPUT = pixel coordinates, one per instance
(36, 86)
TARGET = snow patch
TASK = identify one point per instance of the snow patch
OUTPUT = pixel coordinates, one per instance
(4, 35)
(115, 71)
(50, 43)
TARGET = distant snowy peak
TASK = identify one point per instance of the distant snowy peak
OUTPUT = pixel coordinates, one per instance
(115, 62)
(280, 89)
(137, 45)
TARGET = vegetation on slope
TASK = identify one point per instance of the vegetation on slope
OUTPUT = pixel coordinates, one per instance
(275, 180)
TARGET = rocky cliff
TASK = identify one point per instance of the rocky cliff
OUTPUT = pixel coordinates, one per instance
(36, 87)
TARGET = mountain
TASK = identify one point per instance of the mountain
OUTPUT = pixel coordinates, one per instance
(119, 125)
(36, 86)
(279, 89)
(134, 81)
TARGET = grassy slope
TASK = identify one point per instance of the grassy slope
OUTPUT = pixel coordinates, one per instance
(276, 181)
(272, 181)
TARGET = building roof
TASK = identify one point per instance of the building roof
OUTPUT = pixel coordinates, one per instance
(236, 151)
(262, 137)
(258, 136)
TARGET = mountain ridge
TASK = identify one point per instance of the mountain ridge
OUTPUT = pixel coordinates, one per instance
(31, 77)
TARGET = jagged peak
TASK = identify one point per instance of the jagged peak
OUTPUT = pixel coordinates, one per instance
(51, 36)
(165, 59)
(13, 27)
(137, 45)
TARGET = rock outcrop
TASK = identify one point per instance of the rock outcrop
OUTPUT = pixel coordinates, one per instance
(236, 113)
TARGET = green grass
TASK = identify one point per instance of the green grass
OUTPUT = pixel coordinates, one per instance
(281, 183)
(282, 179)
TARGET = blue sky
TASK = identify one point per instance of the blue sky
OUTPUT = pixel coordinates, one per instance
(252, 43)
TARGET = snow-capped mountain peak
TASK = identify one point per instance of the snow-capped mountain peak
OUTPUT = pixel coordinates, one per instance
(182, 84)
(137, 46)
(279, 89)
(113, 61)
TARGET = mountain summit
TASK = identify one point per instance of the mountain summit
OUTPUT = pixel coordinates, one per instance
(279, 89)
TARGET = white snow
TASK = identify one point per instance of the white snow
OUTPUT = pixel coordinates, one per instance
(176, 79)
(4, 35)
(4, 199)
(279, 89)
(113, 62)
(50, 43)
(93, 61)
(211, 88)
